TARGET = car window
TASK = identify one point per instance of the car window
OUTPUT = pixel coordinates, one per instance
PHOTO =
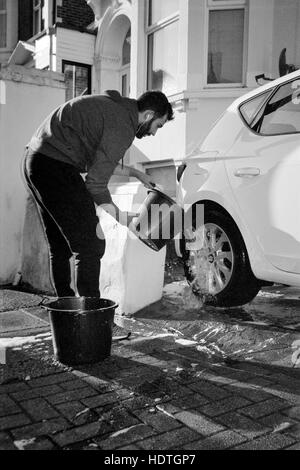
(281, 115)
(249, 109)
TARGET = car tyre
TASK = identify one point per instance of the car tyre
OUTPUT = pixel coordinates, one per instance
(235, 283)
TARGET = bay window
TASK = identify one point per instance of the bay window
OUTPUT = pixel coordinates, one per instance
(162, 34)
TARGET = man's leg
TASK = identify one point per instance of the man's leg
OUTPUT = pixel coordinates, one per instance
(62, 193)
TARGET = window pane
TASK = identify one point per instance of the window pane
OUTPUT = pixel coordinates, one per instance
(163, 59)
(225, 46)
(159, 9)
(126, 48)
(77, 80)
(2, 4)
(282, 113)
(2, 29)
(249, 109)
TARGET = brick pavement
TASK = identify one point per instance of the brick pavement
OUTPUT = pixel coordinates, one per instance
(153, 394)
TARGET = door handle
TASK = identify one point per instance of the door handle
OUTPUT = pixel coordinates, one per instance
(247, 172)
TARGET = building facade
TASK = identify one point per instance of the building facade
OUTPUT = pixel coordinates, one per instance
(201, 53)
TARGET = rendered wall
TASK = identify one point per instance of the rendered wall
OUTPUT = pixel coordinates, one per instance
(26, 97)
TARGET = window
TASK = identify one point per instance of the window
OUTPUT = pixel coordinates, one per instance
(3, 23)
(38, 20)
(251, 108)
(226, 42)
(77, 79)
(162, 34)
(281, 115)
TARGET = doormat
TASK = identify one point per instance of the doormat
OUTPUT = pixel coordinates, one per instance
(19, 320)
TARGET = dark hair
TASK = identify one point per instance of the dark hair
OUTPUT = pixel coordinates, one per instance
(157, 102)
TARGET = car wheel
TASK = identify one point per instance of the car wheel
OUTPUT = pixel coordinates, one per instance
(217, 267)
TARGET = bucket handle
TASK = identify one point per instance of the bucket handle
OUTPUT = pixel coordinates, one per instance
(42, 302)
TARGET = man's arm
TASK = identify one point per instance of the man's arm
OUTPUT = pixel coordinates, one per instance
(133, 172)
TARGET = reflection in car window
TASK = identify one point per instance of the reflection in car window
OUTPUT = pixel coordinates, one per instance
(251, 107)
(282, 113)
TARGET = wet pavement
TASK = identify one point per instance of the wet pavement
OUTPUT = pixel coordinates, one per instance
(189, 377)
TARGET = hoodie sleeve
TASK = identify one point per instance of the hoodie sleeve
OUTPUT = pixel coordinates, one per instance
(98, 177)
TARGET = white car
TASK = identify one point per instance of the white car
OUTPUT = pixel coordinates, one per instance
(246, 174)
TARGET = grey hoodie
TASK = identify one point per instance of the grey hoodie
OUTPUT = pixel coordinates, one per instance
(91, 133)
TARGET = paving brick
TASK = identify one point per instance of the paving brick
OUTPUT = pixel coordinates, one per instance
(73, 384)
(270, 442)
(77, 413)
(36, 392)
(101, 400)
(294, 447)
(264, 408)
(193, 419)
(243, 425)
(138, 402)
(222, 440)
(209, 390)
(175, 439)
(13, 421)
(223, 406)
(51, 379)
(124, 437)
(40, 429)
(293, 412)
(251, 393)
(8, 406)
(158, 420)
(6, 443)
(39, 409)
(35, 444)
(71, 395)
(117, 418)
(80, 433)
(188, 402)
(98, 383)
(13, 387)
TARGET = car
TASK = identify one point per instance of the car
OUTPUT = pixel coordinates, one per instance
(245, 175)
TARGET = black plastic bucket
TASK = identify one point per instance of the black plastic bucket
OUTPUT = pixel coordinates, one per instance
(159, 221)
(81, 328)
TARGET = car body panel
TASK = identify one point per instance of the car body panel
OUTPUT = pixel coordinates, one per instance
(264, 202)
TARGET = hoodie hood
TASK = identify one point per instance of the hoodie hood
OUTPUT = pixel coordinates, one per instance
(128, 103)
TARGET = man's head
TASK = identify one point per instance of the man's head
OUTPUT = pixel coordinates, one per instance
(154, 111)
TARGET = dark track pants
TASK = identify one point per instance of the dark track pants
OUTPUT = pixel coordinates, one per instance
(69, 217)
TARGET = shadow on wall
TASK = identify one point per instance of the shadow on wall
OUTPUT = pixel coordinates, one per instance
(35, 257)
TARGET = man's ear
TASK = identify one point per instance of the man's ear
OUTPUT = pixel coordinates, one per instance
(149, 115)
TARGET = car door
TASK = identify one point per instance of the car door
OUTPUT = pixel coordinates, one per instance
(263, 168)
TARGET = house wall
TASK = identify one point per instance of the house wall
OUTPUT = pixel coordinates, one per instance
(26, 97)
(65, 50)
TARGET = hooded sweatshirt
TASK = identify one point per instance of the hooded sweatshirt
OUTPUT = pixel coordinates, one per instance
(92, 133)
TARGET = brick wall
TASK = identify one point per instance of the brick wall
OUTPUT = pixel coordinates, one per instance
(75, 14)
(25, 20)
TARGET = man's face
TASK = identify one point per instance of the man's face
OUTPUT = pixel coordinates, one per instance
(151, 126)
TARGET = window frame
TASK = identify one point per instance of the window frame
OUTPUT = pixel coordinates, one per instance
(5, 14)
(79, 64)
(38, 8)
(152, 29)
(215, 5)
(263, 105)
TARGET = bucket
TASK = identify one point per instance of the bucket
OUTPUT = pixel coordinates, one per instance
(81, 328)
(159, 220)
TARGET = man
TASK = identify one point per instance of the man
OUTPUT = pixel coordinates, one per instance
(88, 134)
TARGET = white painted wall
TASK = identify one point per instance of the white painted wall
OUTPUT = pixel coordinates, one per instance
(74, 46)
(26, 97)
